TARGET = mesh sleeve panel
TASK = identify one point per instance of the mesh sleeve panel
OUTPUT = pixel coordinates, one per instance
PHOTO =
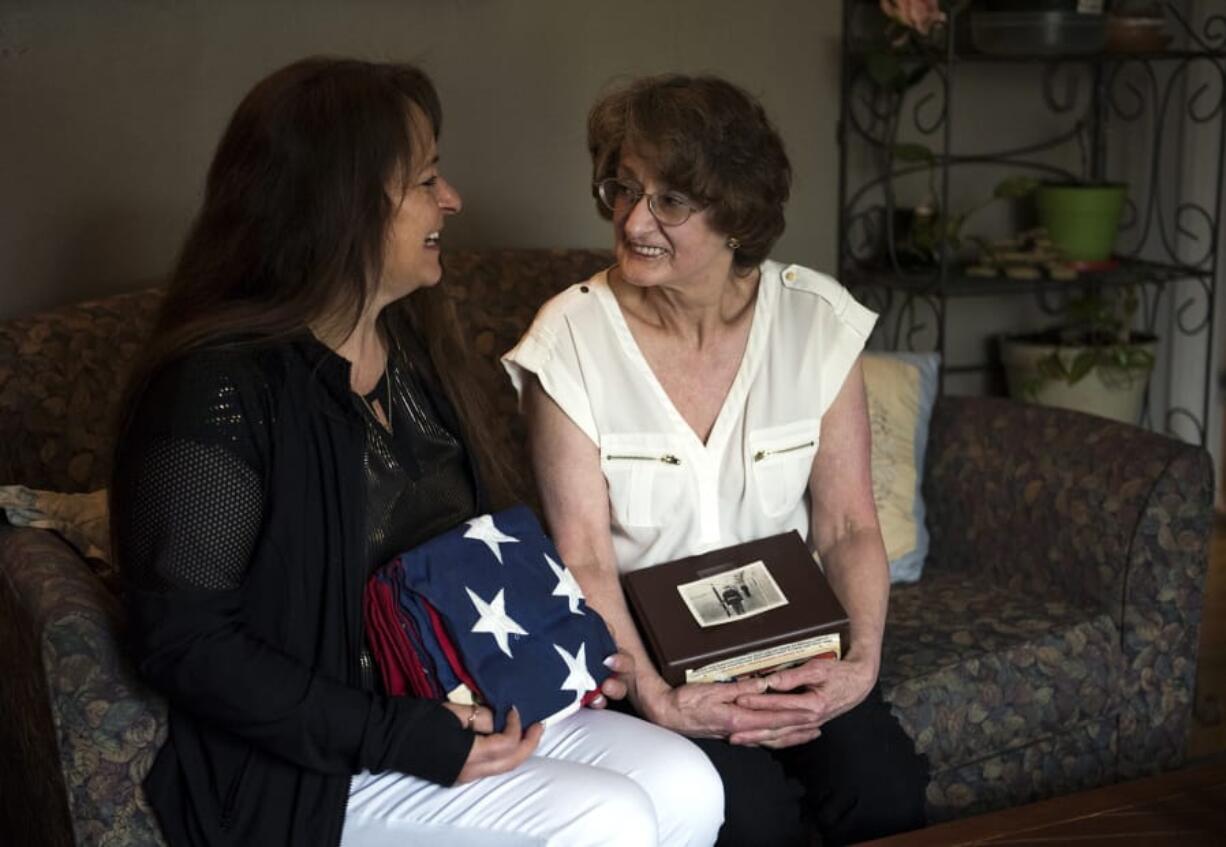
(190, 502)
(193, 516)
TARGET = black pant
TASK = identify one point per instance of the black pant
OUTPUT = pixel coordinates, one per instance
(860, 779)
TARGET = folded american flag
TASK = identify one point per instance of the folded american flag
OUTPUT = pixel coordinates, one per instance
(488, 606)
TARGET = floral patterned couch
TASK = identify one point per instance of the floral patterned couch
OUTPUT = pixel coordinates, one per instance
(1050, 645)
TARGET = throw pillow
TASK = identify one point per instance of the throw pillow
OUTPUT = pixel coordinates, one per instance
(81, 519)
(901, 389)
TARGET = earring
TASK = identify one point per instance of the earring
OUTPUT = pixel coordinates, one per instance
(734, 243)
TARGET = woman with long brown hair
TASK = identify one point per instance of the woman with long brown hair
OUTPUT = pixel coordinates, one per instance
(303, 413)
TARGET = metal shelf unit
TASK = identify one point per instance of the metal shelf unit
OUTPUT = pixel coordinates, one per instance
(1168, 250)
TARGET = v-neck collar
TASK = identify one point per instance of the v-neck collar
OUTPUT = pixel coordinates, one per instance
(725, 420)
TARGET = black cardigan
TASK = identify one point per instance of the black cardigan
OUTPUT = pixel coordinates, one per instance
(252, 627)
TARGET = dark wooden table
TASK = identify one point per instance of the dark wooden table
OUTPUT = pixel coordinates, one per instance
(1185, 807)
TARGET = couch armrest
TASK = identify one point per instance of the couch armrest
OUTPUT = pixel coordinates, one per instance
(108, 726)
(34, 809)
(1164, 597)
(1058, 503)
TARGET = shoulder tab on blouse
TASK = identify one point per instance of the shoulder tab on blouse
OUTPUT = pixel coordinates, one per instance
(578, 296)
(800, 278)
(839, 299)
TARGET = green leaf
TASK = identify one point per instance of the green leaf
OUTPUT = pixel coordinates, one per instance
(1016, 187)
(1051, 366)
(954, 225)
(885, 69)
(1083, 363)
(1137, 358)
(914, 153)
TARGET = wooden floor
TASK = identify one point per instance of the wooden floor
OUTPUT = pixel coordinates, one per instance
(1208, 735)
(1185, 807)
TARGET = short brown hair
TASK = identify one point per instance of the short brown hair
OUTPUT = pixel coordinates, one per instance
(708, 138)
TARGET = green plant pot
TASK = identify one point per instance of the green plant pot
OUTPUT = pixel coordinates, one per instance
(1082, 220)
(1114, 393)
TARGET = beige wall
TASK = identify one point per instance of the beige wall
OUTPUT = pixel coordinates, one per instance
(110, 109)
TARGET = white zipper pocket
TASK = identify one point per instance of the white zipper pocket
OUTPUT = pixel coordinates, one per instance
(646, 475)
(777, 451)
(667, 458)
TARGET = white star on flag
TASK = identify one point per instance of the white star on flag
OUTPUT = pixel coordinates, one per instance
(483, 529)
(495, 621)
(566, 587)
(578, 679)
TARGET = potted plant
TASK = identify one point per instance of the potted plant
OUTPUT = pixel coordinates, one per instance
(1081, 218)
(1093, 361)
(927, 231)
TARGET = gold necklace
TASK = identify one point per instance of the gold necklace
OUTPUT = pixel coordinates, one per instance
(387, 409)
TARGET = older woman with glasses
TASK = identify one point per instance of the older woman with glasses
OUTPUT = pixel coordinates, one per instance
(698, 395)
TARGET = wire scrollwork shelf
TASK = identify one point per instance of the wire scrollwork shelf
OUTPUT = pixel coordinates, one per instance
(1167, 244)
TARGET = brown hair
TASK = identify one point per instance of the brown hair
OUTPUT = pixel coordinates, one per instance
(294, 224)
(705, 137)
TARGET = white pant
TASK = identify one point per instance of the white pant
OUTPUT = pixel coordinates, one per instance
(597, 778)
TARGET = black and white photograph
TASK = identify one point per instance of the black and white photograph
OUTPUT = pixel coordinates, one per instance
(732, 595)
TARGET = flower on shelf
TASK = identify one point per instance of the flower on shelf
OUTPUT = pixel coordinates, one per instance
(913, 38)
(912, 18)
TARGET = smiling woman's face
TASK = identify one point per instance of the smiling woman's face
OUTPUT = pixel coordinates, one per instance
(413, 256)
(649, 253)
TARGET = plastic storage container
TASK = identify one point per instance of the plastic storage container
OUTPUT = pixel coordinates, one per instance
(1042, 33)
(1092, 7)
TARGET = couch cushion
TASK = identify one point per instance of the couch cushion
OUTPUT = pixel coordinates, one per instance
(972, 669)
(497, 293)
(62, 374)
(1081, 758)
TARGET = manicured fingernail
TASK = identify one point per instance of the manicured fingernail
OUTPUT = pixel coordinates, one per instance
(598, 701)
(610, 661)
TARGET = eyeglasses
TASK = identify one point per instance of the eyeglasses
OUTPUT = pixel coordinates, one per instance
(621, 195)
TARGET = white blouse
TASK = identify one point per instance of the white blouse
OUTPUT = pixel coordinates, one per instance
(670, 494)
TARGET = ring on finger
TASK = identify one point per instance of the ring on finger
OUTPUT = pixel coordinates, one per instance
(472, 717)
